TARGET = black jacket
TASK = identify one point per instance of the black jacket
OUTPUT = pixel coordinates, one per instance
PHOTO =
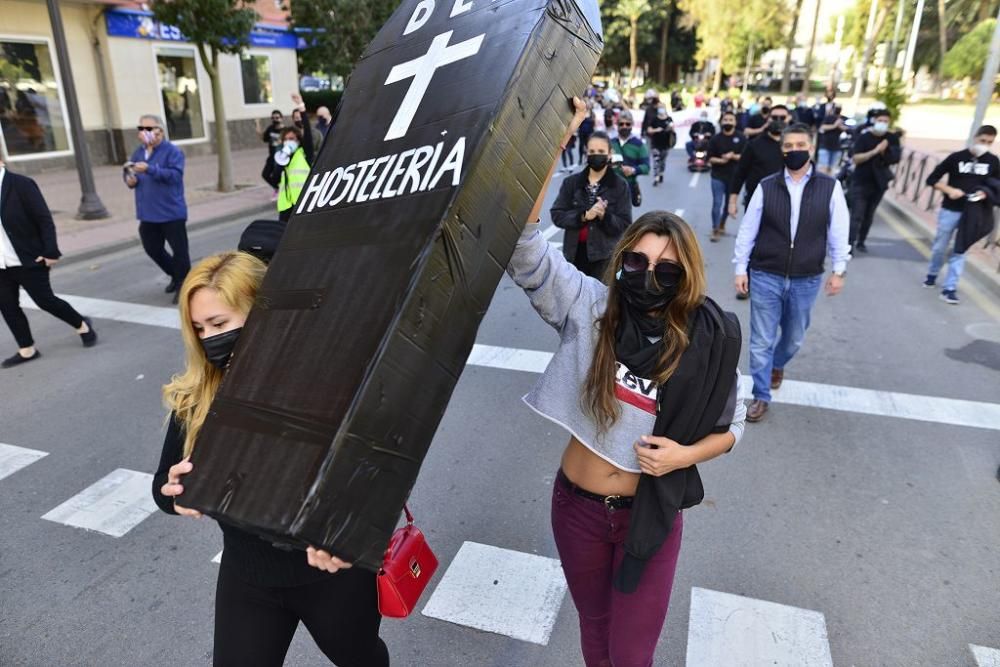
(760, 158)
(26, 219)
(977, 217)
(573, 202)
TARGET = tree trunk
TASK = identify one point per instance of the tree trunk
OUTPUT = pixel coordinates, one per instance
(786, 79)
(225, 183)
(633, 52)
(942, 42)
(870, 47)
(664, 35)
(717, 79)
(812, 46)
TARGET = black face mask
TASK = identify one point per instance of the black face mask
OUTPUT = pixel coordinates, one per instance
(776, 126)
(728, 127)
(597, 162)
(796, 159)
(642, 293)
(765, 110)
(219, 348)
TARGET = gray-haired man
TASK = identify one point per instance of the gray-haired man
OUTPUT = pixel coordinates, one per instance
(156, 173)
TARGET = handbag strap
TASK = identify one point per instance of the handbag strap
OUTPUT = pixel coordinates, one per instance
(409, 516)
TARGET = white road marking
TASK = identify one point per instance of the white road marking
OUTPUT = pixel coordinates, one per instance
(985, 657)
(217, 558)
(917, 407)
(113, 505)
(120, 311)
(679, 213)
(693, 183)
(14, 458)
(726, 629)
(502, 591)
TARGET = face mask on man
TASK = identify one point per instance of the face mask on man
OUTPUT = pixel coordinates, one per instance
(148, 138)
(219, 348)
(765, 110)
(291, 146)
(880, 127)
(597, 162)
(979, 150)
(776, 126)
(728, 127)
(795, 160)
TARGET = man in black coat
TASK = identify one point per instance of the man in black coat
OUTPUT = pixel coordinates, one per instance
(27, 251)
(594, 206)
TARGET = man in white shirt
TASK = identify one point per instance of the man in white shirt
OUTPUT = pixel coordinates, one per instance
(27, 251)
(795, 219)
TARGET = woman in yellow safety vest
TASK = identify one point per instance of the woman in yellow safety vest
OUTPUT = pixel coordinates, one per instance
(294, 160)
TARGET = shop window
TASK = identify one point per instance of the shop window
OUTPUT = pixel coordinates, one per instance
(256, 79)
(31, 112)
(180, 94)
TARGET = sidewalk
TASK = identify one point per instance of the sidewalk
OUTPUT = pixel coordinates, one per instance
(82, 239)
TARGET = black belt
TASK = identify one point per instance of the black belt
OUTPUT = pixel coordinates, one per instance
(610, 502)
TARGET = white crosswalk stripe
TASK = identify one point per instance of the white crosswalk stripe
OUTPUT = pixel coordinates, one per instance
(501, 591)
(917, 407)
(985, 657)
(737, 631)
(14, 458)
(113, 505)
(217, 558)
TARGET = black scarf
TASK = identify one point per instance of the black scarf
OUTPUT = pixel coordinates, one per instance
(688, 407)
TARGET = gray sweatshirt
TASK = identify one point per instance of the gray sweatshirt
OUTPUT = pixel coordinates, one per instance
(571, 302)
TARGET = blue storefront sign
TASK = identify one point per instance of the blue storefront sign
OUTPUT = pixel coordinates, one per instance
(141, 25)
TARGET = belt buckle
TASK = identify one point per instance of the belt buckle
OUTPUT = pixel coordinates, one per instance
(608, 500)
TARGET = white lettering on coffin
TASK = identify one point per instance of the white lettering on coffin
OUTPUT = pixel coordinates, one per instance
(406, 173)
(977, 168)
(634, 390)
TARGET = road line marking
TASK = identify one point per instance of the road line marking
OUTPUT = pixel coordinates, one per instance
(917, 407)
(693, 183)
(113, 505)
(726, 629)
(968, 289)
(14, 458)
(501, 591)
(551, 231)
(217, 558)
(985, 657)
(120, 311)
(679, 213)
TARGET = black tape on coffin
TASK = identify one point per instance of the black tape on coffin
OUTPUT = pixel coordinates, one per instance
(409, 258)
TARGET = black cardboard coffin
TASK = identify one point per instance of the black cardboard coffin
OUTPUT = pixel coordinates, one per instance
(371, 304)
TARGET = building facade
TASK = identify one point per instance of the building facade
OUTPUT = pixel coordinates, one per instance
(125, 65)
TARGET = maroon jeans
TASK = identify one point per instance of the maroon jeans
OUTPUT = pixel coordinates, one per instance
(616, 629)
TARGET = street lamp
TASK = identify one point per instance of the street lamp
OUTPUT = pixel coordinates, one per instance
(91, 207)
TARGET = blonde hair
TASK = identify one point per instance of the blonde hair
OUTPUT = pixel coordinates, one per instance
(236, 277)
(598, 398)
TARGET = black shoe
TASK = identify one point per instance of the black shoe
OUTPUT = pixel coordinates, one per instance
(177, 296)
(17, 360)
(90, 338)
(171, 287)
(861, 248)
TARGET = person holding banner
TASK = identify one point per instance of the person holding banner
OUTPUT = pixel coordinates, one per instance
(657, 395)
(293, 160)
(263, 592)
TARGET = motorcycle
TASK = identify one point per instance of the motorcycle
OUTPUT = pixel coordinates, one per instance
(700, 160)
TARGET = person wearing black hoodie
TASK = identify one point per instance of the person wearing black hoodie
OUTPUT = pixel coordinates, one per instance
(594, 207)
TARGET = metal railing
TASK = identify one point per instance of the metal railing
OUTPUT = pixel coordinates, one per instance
(911, 172)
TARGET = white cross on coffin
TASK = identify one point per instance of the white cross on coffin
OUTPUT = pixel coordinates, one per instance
(422, 71)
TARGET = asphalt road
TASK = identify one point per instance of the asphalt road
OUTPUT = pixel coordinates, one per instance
(885, 526)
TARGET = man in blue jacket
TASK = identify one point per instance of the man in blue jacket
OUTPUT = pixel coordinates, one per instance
(156, 173)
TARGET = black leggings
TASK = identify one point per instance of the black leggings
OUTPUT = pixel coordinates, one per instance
(254, 625)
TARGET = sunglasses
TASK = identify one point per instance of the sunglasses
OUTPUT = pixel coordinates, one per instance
(666, 273)
(624, 124)
(146, 128)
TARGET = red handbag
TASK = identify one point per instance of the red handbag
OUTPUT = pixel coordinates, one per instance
(406, 568)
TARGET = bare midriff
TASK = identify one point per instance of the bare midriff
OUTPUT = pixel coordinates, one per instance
(592, 473)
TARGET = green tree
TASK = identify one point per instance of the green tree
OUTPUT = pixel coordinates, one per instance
(967, 56)
(663, 55)
(215, 27)
(632, 11)
(339, 31)
(892, 94)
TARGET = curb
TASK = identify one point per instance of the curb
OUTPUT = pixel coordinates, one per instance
(108, 248)
(985, 277)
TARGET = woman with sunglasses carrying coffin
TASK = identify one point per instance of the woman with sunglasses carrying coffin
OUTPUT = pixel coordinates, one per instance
(263, 592)
(645, 380)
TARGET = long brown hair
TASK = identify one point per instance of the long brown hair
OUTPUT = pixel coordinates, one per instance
(599, 393)
(236, 277)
